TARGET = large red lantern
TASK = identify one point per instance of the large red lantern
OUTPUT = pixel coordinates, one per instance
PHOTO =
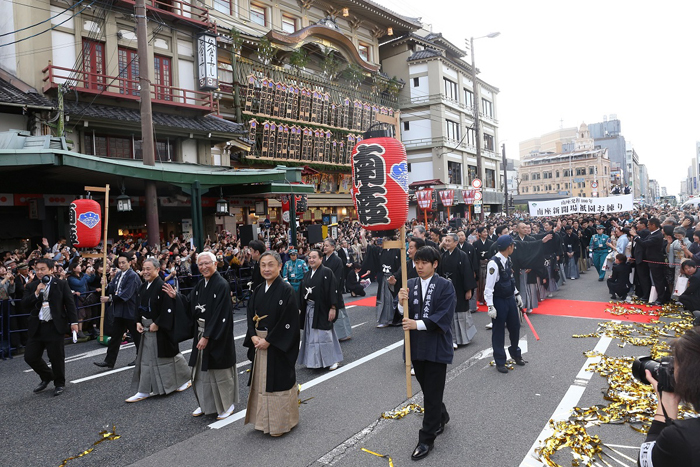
(380, 183)
(85, 223)
(424, 198)
(448, 198)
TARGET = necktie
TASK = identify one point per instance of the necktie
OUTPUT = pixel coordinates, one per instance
(119, 282)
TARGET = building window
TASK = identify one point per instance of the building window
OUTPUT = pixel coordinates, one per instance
(557, 186)
(128, 71)
(525, 178)
(450, 89)
(606, 170)
(363, 50)
(591, 171)
(546, 174)
(468, 98)
(557, 174)
(416, 82)
(471, 173)
(487, 107)
(289, 24)
(536, 176)
(108, 146)
(488, 142)
(452, 130)
(258, 15)
(164, 150)
(490, 176)
(454, 171)
(94, 65)
(224, 6)
(471, 136)
(163, 79)
(567, 173)
(581, 171)
(409, 166)
(406, 126)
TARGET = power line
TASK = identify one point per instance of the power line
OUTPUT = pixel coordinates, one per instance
(51, 28)
(42, 22)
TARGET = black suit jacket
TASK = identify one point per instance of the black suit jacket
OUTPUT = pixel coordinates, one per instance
(654, 247)
(61, 303)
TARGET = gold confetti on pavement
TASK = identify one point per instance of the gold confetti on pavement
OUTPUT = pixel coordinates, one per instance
(402, 412)
(629, 401)
(106, 436)
(391, 462)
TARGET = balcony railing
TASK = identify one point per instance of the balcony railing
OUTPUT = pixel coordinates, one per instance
(177, 9)
(441, 141)
(124, 88)
(419, 101)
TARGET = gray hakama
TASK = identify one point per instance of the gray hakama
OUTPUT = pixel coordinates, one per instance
(342, 326)
(154, 375)
(319, 348)
(528, 292)
(215, 390)
(552, 284)
(277, 412)
(385, 303)
(463, 328)
(571, 268)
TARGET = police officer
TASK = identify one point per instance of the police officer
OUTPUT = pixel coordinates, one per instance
(294, 270)
(599, 246)
(504, 302)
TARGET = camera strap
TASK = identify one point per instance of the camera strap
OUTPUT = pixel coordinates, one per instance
(663, 409)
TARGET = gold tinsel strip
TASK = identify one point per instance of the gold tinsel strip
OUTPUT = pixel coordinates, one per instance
(385, 456)
(402, 412)
(105, 436)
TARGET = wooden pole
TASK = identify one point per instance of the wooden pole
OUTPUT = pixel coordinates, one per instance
(406, 333)
(425, 214)
(105, 222)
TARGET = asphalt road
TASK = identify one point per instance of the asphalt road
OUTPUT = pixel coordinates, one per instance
(495, 418)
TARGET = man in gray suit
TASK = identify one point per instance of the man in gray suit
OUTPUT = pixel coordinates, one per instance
(121, 294)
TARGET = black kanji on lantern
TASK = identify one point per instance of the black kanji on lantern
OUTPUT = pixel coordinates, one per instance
(370, 184)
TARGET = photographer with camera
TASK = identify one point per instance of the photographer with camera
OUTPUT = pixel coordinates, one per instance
(672, 442)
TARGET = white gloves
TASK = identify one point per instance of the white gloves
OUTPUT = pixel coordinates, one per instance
(519, 301)
(492, 312)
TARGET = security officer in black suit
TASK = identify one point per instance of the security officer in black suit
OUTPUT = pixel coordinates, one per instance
(655, 253)
(52, 313)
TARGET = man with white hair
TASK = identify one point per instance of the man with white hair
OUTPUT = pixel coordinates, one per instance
(213, 358)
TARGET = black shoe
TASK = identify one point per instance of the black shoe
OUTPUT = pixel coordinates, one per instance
(441, 430)
(657, 303)
(520, 361)
(502, 368)
(613, 297)
(132, 363)
(41, 386)
(104, 365)
(421, 451)
(58, 391)
(600, 280)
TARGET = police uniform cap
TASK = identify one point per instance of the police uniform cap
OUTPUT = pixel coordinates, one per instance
(600, 227)
(503, 242)
(292, 251)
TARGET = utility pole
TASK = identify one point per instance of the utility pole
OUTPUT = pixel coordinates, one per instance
(475, 107)
(505, 178)
(147, 149)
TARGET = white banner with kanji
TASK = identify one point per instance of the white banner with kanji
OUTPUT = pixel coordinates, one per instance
(582, 206)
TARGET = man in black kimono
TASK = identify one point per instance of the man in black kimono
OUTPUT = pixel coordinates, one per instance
(482, 246)
(414, 245)
(456, 268)
(160, 367)
(431, 304)
(355, 285)
(690, 298)
(257, 248)
(332, 261)
(319, 305)
(273, 346)
(213, 358)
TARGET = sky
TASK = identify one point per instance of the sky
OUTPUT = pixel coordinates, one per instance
(579, 61)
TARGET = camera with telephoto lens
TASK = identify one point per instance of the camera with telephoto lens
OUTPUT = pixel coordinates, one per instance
(661, 371)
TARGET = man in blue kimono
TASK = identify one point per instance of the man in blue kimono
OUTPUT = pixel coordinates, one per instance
(431, 304)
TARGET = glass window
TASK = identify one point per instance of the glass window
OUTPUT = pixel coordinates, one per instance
(471, 136)
(488, 142)
(224, 6)
(468, 98)
(486, 107)
(406, 126)
(454, 171)
(289, 24)
(416, 82)
(258, 15)
(490, 176)
(128, 71)
(471, 173)
(363, 49)
(162, 78)
(452, 130)
(450, 90)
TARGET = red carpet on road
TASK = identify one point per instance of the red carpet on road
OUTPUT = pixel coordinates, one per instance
(559, 307)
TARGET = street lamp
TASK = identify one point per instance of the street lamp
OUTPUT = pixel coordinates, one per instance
(475, 108)
(123, 201)
(222, 204)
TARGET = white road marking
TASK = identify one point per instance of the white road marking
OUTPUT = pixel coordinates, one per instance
(568, 402)
(350, 306)
(357, 325)
(331, 374)
(84, 355)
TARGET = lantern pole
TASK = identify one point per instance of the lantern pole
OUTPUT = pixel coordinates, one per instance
(105, 218)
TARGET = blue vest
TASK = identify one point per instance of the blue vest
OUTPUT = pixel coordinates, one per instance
(505, 287)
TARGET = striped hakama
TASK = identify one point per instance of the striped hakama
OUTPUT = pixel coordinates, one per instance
(275, 413)
(342, 326)
(528, 292)
(319, 348)
(215, 390)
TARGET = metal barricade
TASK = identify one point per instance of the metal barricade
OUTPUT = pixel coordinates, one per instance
(15, 324)
(4, 341)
